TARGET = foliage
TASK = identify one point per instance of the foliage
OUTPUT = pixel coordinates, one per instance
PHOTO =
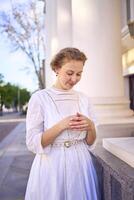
(23, 25)
(12, 96)
(1, 78)
(24, 97)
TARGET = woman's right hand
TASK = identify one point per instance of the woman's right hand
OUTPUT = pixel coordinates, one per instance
(65, 123)
(50, 134)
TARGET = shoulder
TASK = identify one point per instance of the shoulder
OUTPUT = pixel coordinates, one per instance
(40, 93)
(39, 96)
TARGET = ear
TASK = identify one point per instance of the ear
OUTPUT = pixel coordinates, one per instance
(57, 71)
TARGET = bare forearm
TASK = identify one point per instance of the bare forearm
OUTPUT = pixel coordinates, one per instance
(91, 135)
(50, 135)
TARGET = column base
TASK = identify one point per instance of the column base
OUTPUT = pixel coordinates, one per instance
(112, 109)
(115, 118)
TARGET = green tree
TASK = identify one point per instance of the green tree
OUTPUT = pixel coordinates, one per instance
(24, 96)
(13, 97)
(1, 79)
(10, 95)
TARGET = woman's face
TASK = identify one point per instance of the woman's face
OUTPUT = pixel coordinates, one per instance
(69, 74)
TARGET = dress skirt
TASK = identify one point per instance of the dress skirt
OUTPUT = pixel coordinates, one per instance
(63, 174)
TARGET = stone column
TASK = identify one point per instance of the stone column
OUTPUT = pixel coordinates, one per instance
(64, 23)
(58, 31)
(51, 38)
(97, 31)
(94, 27)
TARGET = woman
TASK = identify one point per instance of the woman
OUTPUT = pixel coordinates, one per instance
(60, 128)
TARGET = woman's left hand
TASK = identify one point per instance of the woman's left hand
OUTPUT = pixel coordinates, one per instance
(81, 123)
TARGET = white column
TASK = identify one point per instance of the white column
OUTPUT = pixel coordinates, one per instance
(51, 38)
(64, 23)
(58, 31)
(94, 27)
(97, 31)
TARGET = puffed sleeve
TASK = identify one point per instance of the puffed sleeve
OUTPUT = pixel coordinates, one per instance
(35, 126)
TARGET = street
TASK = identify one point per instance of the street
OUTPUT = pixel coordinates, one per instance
(15, 159)
(6, 128)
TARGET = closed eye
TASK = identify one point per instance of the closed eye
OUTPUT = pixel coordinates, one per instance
(69, 73)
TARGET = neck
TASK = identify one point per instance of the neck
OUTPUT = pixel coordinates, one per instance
(58, 86)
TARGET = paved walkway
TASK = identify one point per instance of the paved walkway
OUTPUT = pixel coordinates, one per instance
(8, 121)
(12, 117)
(15, 163)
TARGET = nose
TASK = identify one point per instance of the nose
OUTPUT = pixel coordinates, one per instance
(74, 79)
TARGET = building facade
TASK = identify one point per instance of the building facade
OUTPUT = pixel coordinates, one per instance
(100, 29)
(127, 26)
(94, 27)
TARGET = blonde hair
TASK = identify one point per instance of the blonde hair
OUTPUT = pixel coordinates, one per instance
(65, 55)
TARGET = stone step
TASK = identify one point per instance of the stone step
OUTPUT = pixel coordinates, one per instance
(123, 148)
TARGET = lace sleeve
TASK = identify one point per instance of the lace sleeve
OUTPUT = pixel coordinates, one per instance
(35, 126)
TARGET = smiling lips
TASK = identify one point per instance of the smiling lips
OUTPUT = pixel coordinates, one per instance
(71, 84)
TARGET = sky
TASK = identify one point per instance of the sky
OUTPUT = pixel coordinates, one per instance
(15, 66)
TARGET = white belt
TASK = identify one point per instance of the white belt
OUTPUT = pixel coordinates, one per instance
(67, 143)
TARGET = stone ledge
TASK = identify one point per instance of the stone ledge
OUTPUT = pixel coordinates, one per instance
(123, 148)
(116, 178)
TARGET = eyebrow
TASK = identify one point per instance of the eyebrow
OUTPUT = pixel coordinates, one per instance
(73, 71)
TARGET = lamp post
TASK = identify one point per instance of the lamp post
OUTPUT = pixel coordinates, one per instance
(0, 105)
(18, 97)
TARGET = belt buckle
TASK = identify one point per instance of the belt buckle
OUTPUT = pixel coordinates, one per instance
(67, 144)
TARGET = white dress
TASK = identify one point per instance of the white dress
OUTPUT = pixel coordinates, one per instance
(59, 172)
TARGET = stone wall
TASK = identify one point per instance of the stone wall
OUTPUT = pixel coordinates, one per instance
(116, 178)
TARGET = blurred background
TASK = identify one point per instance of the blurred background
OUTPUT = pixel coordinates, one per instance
(31, 32)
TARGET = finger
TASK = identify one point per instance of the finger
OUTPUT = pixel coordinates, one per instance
(77, 118)
(80, 126)
(82, 129)
(77, 123)
(78, 114)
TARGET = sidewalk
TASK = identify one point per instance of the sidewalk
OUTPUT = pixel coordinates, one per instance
(8, 121)
(11, 117)
(15, 163)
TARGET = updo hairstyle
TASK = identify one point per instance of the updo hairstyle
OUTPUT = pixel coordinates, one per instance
(65, 55)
